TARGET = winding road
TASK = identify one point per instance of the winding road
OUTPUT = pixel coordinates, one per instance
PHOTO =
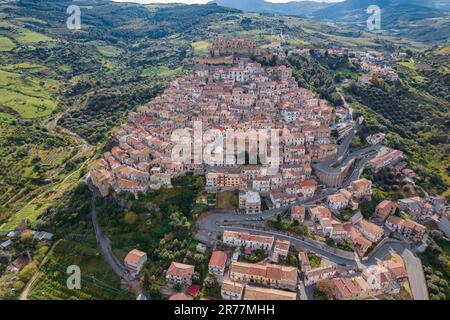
(105, 246)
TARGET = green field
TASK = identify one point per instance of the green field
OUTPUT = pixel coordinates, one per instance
(200, 47)
(29, 96)
(107, 50)
(6, 44)
(163, 71)
(30, 37)
(98, 281)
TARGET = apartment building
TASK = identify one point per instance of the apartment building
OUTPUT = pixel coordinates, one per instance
(271, 275)
(411, 230)
(247, 240)
(250, 202)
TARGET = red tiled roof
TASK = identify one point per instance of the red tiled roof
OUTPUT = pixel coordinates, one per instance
(180, 269)
(218, 259)
(193, 290)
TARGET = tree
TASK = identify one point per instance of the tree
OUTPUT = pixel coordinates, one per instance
(130, 218)
(324, 290)
(26, 236)
(27, 272)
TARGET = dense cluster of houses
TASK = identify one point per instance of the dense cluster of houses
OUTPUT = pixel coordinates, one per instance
(270, 281)
(227, 90)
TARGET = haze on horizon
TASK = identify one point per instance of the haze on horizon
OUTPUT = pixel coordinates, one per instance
(206, 1)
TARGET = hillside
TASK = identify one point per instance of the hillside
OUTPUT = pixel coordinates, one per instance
(63, 106)
(419, 20)
(63, 91)
(422, 20)
(294, 8)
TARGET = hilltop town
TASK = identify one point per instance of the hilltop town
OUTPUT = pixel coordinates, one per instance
(198, 152)
(226, 90)
(316, 185)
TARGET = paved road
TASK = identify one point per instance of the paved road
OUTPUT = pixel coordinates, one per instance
(297, 242)
(416, 277)
(104, 244)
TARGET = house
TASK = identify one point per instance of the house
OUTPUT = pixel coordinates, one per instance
(247, 240)
(6, 245)
(217, 263)
(370, 230)
(201, 248)
(376, 138)
(280, 199)
(231, 290)
(303, 259)
(338, 230)
(261, 184)
(193, 290)
(322, 273)
(281, 248)
(361, 188)
(385, 209)
(326, 227)
(337, 201)
(416, 207)
(319, 212)
(180, 296)
(43, 236)
(298, 213)
(271, 275)
(377, 277)
(360, 243)
(346, 289)
(397, 270)
(250, 202)
(134, 261)
(387, 159)
(179, 273)
(411, 230)
(308, 188)
(257, 293)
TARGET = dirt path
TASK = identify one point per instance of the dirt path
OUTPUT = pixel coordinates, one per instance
(27, 289)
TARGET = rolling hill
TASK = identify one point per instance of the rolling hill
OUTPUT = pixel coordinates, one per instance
(294, 8)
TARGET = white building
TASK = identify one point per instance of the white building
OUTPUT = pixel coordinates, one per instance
(250, 202)
(135, 261)
(231, 290)
(247, 240)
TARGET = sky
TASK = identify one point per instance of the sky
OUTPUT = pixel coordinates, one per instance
(206, 1)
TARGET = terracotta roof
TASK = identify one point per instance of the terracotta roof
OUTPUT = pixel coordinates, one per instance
(298, 211)
(362, 183)
(180, 296)
(255, 293)
(385, 203)
(231, 286)
(193, 290)
(282, 245)
(370, 227)
(218, 259)
(182, 270)
(134, 256)
(270, 271)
